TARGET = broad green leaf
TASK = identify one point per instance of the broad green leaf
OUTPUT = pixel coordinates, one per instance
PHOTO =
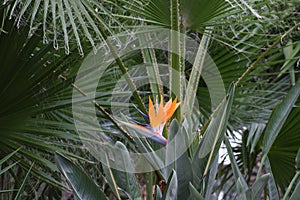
(82, 185)
(173, 145)
(242, 192)
(178, 158)
(211, 176)
(194, 194)
(216, 130)
(296, 194)
(111, 180)
(198, 167)
(158, 195)
(126, 180)
(259, 185)
(278, 117)
(171, 188)
(273, 191)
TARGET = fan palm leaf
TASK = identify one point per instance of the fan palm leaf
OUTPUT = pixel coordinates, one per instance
(28, 85)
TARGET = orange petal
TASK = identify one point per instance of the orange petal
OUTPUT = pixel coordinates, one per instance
(157, 114)
(171, 110)
(168, 105)
(160, 115)
(151, 112)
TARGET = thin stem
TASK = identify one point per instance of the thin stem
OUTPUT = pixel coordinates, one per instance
(176, 60)
(127, 135)
(122, 67)
(149, 185)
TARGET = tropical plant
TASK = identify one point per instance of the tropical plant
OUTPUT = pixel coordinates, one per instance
(254, 45)
(33, 118)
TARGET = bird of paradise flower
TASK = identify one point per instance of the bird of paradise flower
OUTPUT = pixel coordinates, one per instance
(157, 117)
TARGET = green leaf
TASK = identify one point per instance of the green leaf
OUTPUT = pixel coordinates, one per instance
(216, 130)
(175, 146)
(126, 180)
(74, 26)
(278, 117)
(83, 186)
(255, 132)
(194, 79)
(111, 179)
(280, 144)
(8, 167)
(291, 185)
(27, 83)
(273, 192)
(259, 185)
(150, 59)
(35, 12)
(201, 165)
(211, 179)
(194, 193)
(238, 177)
(296, 194)
(290, 53)
(21, 189)
(152, 159)
(283, 152)
(176, 54)
(8, 156)
(154, 12)
(297, 165)
(158, 195)
(171, 188)
(242, 192)
(178, 158)
(210, 9)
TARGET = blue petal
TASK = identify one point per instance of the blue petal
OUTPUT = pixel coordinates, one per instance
(147, 133)
(141, 124)
(146, 117)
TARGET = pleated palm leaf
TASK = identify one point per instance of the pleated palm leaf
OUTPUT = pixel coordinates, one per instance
(34, 117)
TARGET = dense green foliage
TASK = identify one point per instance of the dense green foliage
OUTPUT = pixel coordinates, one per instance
(255, 46)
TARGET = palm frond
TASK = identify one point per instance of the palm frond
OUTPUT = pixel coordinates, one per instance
(69, 21)
(26, 70)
